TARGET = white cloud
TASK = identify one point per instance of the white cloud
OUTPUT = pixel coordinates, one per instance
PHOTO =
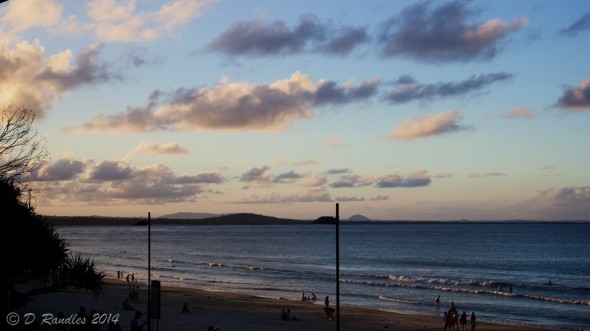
(333, 142)
(429, 125)
(227, 106)
(121, 21)
(33, 81)
(521, 112)
(157, 148)
(317, 195)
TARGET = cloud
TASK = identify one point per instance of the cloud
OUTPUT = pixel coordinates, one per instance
(287, 177)
(114, 21)
(111, 171)
(114, 181)
(257, 176)
(347, 181)
(264, 38)
(157, 148)
(24, 15)
(31, 80)
(318, 195)
(443, 175)
(333, 142)
(429, 125)
(486, 174)
(337, 171)
(328, 92)
(313, 179)
(576, 99)
(349, 199)
(214, 177)
(63, 169)
(414, 179)
(521, 112)
(582, 24)
(444, 34)
(407, 89)
(228, 106)
(569, 202)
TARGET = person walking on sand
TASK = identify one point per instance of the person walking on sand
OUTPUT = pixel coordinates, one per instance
(463, 320)
(327, 301)
(473, 321)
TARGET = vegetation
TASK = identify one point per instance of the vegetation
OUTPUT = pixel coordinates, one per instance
(37, 259)
(22, 150)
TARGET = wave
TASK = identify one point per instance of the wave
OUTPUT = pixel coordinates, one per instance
(252, 268)
(381, 297)
(216, 264)
(469, 291)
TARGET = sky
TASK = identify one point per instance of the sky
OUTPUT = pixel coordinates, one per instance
(396, 110)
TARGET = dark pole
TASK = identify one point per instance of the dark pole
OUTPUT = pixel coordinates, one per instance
(149, 300)
(337, 267)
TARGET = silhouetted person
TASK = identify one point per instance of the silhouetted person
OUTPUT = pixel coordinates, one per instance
(437, 300)
(185, 309)
(473, 321)
(327, 301)
(463, 321)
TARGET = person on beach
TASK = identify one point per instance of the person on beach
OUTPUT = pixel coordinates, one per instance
(437, 300)
(135, 326)
(463, 321)
(473, 321)
(445, 321)
(313, 297)
(303, 296)
(185, 309)
(327, 301)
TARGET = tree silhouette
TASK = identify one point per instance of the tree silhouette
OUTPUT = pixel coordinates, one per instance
(36, 258)
(22, 150)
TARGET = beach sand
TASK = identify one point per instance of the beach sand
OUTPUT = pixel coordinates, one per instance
(232, 311)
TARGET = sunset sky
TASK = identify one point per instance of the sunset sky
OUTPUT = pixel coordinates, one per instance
(395, 109)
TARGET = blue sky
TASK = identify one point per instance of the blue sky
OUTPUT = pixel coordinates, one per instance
(395, 109)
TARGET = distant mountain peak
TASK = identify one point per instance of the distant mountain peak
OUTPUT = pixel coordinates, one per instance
(189, 216)
(358, 218)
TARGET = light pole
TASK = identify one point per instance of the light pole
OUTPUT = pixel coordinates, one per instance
(149, 302)
(337, 267)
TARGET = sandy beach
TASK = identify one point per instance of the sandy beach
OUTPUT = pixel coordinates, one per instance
(229, 311)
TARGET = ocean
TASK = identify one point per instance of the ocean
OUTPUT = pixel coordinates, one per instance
(398, 267)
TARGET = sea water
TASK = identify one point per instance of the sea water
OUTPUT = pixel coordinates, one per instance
(399, 267)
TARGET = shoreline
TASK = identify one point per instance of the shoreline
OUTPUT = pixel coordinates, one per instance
(236, 311)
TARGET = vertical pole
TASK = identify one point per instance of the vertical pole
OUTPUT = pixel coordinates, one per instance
(337, 267)
(149, 292)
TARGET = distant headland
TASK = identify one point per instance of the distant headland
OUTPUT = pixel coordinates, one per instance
(185, 218)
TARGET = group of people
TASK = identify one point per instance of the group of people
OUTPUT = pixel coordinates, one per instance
(452, 321)
(286, 315)
(130, 278)
(312, 297)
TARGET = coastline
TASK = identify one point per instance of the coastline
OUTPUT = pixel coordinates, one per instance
(234, 311)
